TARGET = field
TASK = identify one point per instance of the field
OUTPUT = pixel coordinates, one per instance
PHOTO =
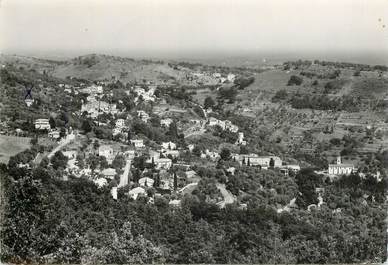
(11, 145)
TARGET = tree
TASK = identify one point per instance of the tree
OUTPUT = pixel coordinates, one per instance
(209, 102)
(295, 80)
(118, 162)
(34, 140)
(121, 247)
(52, 122)
(86, 126)
(103, 162)
(225, 154)
(244, 149)
(307, 180)
(96, 144)
(175, 182)
(139, 162)
(173, 131)
(59, 160)
(62, 132)
(271, 163)
(93, 161)
(197, 151)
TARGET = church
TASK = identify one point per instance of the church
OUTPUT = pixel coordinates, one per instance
(340, 169)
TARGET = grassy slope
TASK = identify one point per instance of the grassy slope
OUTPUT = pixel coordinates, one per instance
(11, 145)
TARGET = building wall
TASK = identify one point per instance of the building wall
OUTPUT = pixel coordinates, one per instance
(340, 170)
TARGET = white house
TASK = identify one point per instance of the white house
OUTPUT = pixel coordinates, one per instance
(225, 125)
(54, 134)
(255, 160)
(134, 193)
(175, 203)
(172, 153)
(116, 131)
(166, 122)
(120, 123)
(29, 101)
(169, 145)
(231, 170)
(138, 143)
(42, 124)
(107, 151)
(211, 154)
(240, 139)
(340, 168)
(287, 168)
(146, 95)
(230, 126)
(130, 154)
(191, 147)
(146, 182)
(231, 77)
(143, 115)
(163, 163)
(109, 173)
(213, 122)
(70, 154)
(100, 182)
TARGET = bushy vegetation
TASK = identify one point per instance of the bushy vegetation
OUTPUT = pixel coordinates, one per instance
(295, 80)
(243, 82)
(92, 227)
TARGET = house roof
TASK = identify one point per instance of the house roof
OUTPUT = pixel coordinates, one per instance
(100, 182)
(163, 160)
(109, 172)
(147, 180)
(105, 147)
(341, 165)
(137, 190)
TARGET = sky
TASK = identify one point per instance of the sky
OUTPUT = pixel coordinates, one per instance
(151, 27)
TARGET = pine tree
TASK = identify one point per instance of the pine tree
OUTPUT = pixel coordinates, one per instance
(175, 182)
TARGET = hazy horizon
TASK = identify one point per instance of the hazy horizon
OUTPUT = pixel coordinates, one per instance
(215, 30)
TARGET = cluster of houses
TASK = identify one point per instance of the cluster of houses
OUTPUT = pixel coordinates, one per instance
(217, 78)
(240, 139)
(163, 158)
(143, 115)
(44, 124)
(146, 95)
(255, 160)
(225, 125)
(94, 106)
(120, 127)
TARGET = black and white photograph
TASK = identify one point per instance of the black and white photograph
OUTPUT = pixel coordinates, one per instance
(193, 132)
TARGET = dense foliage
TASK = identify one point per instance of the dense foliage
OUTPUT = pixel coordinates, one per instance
(91, 227)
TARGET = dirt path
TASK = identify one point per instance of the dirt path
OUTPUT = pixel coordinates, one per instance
(229, 198)
(62, 144)
(188, 189)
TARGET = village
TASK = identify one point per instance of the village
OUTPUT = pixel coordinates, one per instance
(193, 132)
(209, 142)
(147, 168)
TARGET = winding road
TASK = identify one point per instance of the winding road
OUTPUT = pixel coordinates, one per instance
(69, 138)
(229, 198)
(124, 176)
